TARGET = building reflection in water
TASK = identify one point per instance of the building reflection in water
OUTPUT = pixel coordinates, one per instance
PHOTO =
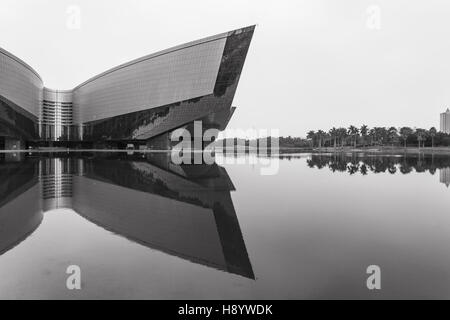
(20, 201)
(185, 211)
(364, 164)
(444, 176)
(55, 175)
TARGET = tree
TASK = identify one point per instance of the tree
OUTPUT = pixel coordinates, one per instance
(334, 135)
(312, 136)
(364, 132)
(384, 133)
(372, 135)
(321, 136)
(353, 132)
(421, 135)
(380, 135)
(392, 135)
(433, 133)
(342, 134)
(405, 133)
(376, 136)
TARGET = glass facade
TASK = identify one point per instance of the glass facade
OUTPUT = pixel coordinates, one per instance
(145, 124)
(138, 100)
(20, 97)
(56, 118)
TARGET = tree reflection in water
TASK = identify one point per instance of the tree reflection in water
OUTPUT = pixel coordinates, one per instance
(392, 164)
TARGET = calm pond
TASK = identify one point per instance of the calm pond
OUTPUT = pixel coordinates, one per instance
(139, 226)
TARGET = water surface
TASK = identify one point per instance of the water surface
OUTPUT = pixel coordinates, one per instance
(141, 227)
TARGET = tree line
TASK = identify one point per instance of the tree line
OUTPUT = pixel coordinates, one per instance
(378, 136)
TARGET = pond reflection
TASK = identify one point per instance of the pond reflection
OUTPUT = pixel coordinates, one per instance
(141, 227)
(183, 211)
(364, 164)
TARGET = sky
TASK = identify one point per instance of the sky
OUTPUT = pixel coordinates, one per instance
(312, 64)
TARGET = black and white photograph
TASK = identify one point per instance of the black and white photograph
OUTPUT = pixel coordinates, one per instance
(239, 150)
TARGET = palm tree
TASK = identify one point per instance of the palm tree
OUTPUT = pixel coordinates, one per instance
(421, 136)
(432, 133)
(372, 135)
(405, 133)
(353, 132)
(312, 136)
(364, 132)
(342, 134)
(334, 135)
(321, 135)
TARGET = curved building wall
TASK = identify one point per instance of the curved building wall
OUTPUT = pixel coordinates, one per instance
(163, 91)
(134, 101)
(160, 79)
(20, 98)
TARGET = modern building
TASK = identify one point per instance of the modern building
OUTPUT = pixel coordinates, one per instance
(138, 102)
(445, 121)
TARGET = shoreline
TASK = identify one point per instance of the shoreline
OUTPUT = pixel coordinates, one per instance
(386, 150)
(281, 150)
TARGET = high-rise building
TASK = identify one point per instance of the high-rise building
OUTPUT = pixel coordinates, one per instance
(142, 100)
(445, 121)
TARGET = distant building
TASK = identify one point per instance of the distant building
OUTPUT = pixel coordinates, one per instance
(444, 176)
(445, 121)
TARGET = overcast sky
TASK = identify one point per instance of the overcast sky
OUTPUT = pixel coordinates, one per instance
(312, 64)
